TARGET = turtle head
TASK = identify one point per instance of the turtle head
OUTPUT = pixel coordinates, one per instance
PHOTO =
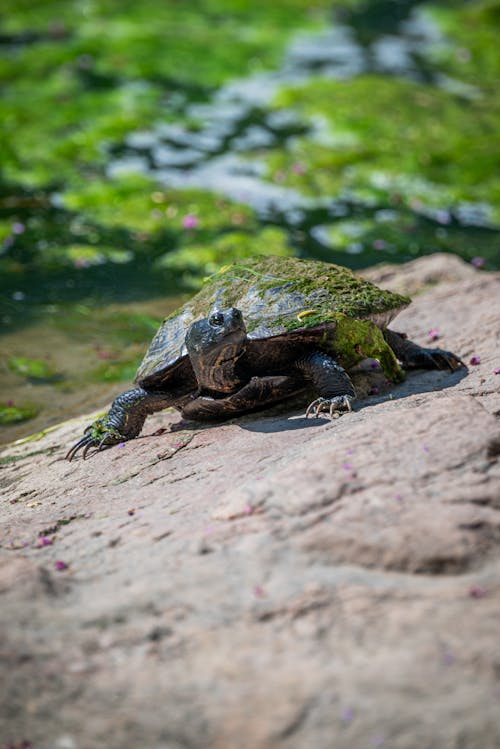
(215, 345)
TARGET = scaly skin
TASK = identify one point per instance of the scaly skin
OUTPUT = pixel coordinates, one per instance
(413, 356)
(123, 422)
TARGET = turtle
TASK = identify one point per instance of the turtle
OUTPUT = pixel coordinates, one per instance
(258, 332)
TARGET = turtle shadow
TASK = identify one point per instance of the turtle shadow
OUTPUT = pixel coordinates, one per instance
(426, 381)
(284, 424)
(290, 414)
(416, 382)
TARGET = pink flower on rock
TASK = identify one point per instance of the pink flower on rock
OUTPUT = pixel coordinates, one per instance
(433, 334)
(475, 360)
(477, 591)
(60, 565)
(44, 541)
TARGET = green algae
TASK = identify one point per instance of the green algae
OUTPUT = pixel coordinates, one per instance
(36, 370)
(275, 290)
(139, 203)
(471, 54)
(323, 286)
(119, 371)
(13, 414)
(396, 232)
(437, 139)
(193, 263)
(97, 71)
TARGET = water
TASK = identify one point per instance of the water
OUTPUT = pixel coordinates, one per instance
(88, 272)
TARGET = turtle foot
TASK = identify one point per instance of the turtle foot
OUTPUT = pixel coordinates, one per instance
(95, 435)
(434, 358)
(335, 407)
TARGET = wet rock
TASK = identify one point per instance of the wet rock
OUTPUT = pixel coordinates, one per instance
(281, 581)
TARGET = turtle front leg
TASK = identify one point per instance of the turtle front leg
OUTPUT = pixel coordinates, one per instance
(413, 356)
(123, 421)
(332, 382)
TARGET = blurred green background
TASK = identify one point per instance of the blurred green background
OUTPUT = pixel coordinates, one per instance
(145, 144)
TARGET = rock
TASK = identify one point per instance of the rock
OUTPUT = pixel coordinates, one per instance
(423, 273)
(273, 581)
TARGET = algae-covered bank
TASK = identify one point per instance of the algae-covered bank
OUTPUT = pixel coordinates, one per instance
(145, 145)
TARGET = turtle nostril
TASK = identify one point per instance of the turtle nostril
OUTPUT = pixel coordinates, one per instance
(216, 319)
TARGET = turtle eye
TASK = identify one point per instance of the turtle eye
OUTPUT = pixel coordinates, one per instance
(216, 319)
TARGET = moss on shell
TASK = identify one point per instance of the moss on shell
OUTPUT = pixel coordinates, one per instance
(323, 286)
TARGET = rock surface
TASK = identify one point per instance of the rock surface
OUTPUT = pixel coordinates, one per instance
(270, 582)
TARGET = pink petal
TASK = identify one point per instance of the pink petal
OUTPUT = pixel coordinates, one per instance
(44, 541)
(347, 715)
(476, 591)
(60, 565)
(190, 221)
(433, 334)
(475, 360)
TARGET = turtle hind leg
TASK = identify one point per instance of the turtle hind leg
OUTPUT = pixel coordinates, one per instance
(413, 356)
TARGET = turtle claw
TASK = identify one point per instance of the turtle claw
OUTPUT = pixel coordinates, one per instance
(333, 406)
(445, 359)
(94, 437)
(87, 441)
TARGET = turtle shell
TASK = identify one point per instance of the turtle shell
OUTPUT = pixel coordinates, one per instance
(277, 295)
